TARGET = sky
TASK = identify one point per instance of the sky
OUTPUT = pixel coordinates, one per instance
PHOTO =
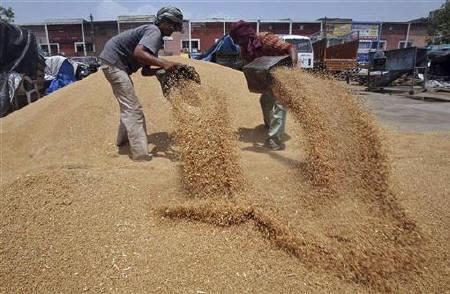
(29, 11)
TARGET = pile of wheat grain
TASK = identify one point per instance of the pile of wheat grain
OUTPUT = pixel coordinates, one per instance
(73, 207)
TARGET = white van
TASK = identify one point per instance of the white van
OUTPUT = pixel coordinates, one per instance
(304, 48)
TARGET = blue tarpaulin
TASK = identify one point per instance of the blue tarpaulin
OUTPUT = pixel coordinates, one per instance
(223, 45)
(64, 77)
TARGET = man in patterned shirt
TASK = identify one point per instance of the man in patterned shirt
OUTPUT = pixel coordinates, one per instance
(255, 45)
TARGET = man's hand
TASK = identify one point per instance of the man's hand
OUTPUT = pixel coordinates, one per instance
(143, 56)
(171, 65)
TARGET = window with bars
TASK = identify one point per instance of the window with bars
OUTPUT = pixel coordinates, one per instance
(381, 45)
(404, 44)
(79, 47)
(195, 44)
(54, 47)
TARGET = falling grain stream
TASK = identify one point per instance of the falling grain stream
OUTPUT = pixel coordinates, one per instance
(345, 158)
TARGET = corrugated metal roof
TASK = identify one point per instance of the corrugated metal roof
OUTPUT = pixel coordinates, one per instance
(136, 18)
(281, 20)
(336, 20)
(219, 19)
(65, 21)
(151, 19)
(32, 24)
(419, 20)
(357, 22)
(105, 21)
(261, 20)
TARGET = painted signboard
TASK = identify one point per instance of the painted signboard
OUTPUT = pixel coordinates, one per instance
(366, 31)
(338, 29)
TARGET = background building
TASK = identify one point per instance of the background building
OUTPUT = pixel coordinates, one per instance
(78, 37)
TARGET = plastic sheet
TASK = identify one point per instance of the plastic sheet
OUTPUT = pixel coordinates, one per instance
(9, 83)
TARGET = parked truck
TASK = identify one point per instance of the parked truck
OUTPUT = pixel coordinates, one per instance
(304, 48)
(337, 55)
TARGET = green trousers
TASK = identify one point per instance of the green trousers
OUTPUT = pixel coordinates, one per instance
(274, 114)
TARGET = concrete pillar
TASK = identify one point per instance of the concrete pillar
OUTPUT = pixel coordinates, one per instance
(407, 35)
(84, 40)
(290, 26)
(321, 29)
(190, 37)
(380, 31)
(48, 41)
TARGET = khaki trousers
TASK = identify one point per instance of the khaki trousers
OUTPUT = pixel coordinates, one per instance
(274, 114)
(132, 127)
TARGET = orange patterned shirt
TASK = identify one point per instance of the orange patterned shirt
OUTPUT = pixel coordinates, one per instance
(272, 45)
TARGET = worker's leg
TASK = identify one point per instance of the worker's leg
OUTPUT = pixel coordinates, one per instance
(131, 115)
(122, 135)
(277, 121)
(266, 101)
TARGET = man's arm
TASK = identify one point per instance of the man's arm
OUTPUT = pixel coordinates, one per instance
(148, 71)
(142, 55)
(294, 55)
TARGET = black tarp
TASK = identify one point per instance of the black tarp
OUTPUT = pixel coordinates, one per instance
(18, 50)
(9, 82)
(440, 63)
(19, 57)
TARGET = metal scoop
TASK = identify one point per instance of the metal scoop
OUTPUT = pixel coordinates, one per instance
(176, 75)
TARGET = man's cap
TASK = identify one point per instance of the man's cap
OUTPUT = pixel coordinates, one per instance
(171, 14)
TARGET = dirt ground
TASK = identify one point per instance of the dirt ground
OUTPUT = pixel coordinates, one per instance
(77, 216)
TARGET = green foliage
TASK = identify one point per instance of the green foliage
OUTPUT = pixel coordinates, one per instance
(6, 14)
(440, 24)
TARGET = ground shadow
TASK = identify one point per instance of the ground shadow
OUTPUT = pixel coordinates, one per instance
(256, 135)
(163, 146)
(289, 162)
(124, 149)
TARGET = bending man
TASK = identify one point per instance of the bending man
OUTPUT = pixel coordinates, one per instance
(255, 45)
(123, 55)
